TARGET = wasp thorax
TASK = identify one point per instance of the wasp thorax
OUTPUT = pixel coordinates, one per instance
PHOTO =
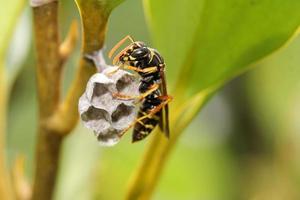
(139, 53)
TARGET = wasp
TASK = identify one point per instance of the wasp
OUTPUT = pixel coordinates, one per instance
(153, 98)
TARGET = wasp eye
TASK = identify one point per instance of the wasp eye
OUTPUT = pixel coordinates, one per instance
(140, 52)
(123, 58)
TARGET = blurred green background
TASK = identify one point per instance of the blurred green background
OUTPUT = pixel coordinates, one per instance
(243, 145)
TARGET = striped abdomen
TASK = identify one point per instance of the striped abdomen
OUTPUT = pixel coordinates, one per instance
(148, 122)
(142, 130)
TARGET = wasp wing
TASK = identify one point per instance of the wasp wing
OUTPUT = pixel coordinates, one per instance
(164, 113)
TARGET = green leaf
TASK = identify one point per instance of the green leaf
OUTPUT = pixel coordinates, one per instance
(9, 13)
(207, 42)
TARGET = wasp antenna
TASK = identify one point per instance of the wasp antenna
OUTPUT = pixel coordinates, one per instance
(119, 54)
(113, 50)
(115, 60)
(130, 38)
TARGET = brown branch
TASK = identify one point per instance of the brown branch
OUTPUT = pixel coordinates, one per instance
(58, 119)
(48, 86)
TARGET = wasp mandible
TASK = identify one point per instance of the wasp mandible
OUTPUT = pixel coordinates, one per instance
(154, 98)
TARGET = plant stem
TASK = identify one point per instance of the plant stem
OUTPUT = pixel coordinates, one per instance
(48, 86)
(147, 175)
(5, 182)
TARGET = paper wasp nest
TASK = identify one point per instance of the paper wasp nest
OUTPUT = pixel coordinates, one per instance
(100, 111)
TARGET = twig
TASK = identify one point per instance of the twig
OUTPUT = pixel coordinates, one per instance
(68, 45)
(48, 81)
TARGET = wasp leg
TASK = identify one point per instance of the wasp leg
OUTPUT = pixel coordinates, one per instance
(150, 115)
(145, 70)
(139, 120)
(119, 67)
(153, 87)
(166, 100)
(112, 51)
(113, 71)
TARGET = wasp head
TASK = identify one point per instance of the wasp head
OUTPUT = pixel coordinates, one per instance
(137, 51)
